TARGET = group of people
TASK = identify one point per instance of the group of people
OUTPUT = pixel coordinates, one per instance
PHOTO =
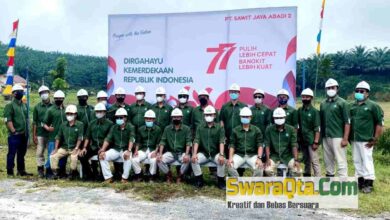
(150, 138)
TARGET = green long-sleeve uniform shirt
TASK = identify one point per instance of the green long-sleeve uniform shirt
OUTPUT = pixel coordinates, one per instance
(97, 131)
(281, 143)
(246, 142)
(69, 135)
(54, 117)
(38, 116)
(16, 111)
(176, 140)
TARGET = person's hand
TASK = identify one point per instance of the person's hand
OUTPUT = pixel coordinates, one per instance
(50, 129)
(102, 155)
(259, 163)
(35, 139)
(75, 151)
(370, 144)
(314, 147)
(344, 143)
(297, 165)
(159, 158)
(135, 153)
(268, 163)
(194, 158)
(186, 158)
(126, 155)
(230, 163)
(82, 152)
(153, 154)
(221, 159)
(54, 152)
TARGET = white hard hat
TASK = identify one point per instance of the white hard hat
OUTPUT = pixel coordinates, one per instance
(43, 88)
(71, 109)
(234, 87)
(101, 94)
(121, 112)
(100, 107)
(307, 92)
(245, 112)
(209, 110)
(150, 114)
(183, 91)
(203, 92)
(17, 87)
(283, 92)
(363, 85)
(160, 91)
(139, 89)
(82, 92)
(258, 91)
(176, 112)
(59, 94)
(279, 113)
(120, 91)
(331, 82)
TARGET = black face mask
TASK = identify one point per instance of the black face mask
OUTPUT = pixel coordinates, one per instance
(176, 122)
(82, 102)
(306, 101)
(18, 95)
(58, 102)
(203, 101)
(120, 100)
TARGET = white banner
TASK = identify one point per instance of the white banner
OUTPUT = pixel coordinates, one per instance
(255, 48)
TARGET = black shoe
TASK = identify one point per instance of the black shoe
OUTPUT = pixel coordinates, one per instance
(221, 183)
(199, 183)
(361, 183)
(24, 173)
(369, 186)
(41, 172)
(73, 175)
(52, 175)
(10, 173)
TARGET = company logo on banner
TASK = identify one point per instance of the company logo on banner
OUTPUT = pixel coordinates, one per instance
(255, 48)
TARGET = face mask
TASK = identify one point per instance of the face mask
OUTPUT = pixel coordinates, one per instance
(82, 102)
(104, 102)
(139, 97)
(282, 101)
(331, 92)
(159, 99)
(59, 102)
(245, 120)
(182, 100)
(100, 115)
(176, 122)
(280, 121)
(258, 100)
(120, 100)
(359, 96)
(209, 118)
(70, 117)
(203, 101)
(44, 96)
(149, 124)
(19, 95)
(306, 101)
(234, 96)
(119, 121)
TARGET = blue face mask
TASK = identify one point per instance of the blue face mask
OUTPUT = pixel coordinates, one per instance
(149, 124)
(120, 121)
(282, 101)
(234, 96)
(245, 120)
(359, 96)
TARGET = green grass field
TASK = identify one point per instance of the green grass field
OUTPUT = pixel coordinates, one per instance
(375, 203)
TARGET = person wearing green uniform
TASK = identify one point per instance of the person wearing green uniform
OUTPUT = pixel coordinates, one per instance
(309, 133)
(261, 113)
(197, 113)
(15, 116)
(162, 109)
(53, 119)
(366, 127)
(335, 128)
(146, 142)
(230, 112)
(68, 141)
(183, 105)
(246, 146)
(281, 145)
(40, 136)
(120, 96)
(209, 145)
(97, 131)
(138, 109)
(291, 113)
(175, 145)
(84, 111)
(120, 138)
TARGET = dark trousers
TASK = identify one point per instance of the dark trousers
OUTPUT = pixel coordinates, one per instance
(88, 171)
(17, 146)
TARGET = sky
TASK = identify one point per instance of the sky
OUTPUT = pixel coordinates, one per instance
(81, 26)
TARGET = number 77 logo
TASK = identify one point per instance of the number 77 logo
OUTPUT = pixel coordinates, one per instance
(228, 49)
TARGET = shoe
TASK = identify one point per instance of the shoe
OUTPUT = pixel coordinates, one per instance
(199, 183)
(169, 177)
(369, 186)
(24, 173)
(138, 177)
(108, 180)
(124, 181)
(221, 183)
(10, 173)
(53, 175)
(179, 179)
(41, 172)
(361, 183)
(73, 175)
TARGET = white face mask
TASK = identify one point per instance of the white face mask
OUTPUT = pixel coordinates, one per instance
(258, 100)
(70, 117)
(331, 92)
(139, 97)
(280, 121)
(209, 118)
(45, 96)
(182, 100)
(100, 115)
(159, 99)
